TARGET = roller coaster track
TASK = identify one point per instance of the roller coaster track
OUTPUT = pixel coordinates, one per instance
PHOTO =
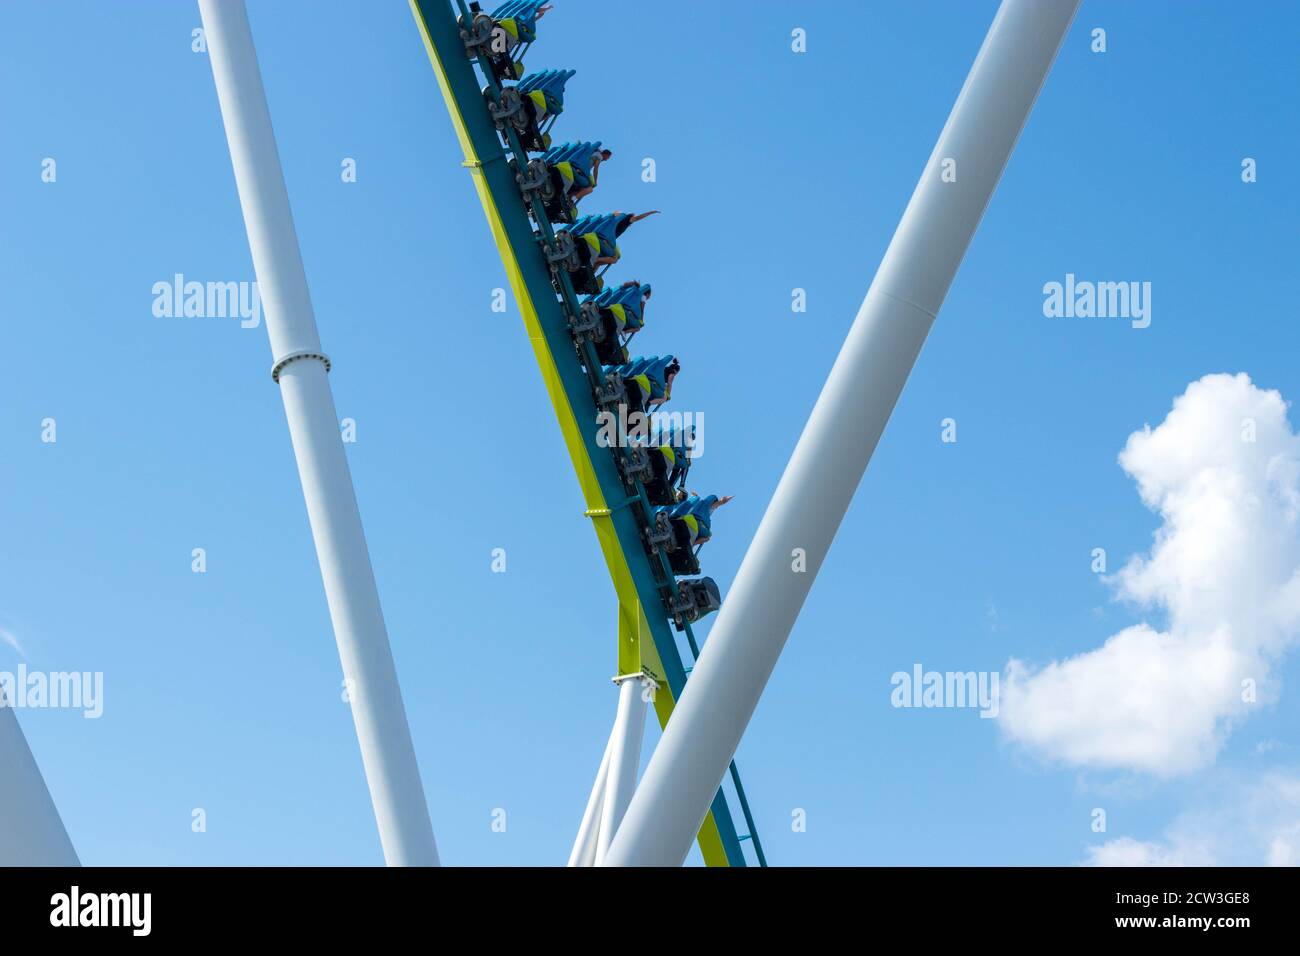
(616, 503)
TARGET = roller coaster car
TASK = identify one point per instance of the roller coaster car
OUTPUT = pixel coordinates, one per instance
(634, 465)
(609, 319)
(668, 462)
(577, 248)
(658, 488)
(552, 178)
(638, 383)
(531, 107)
(602, 331)
(681, 529)
(676, 535)
(546, 184)
(499, 38)
(573, 255)
(618, 393)
(695, 599)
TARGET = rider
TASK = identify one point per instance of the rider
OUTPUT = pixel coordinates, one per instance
(609, 253)
(577, 189)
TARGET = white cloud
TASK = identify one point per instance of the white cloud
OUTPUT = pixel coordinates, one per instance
(7, 637)
(1243, 824)
(1224, 568)
(1129, 852)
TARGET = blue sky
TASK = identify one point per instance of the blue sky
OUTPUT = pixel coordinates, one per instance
(775, 171)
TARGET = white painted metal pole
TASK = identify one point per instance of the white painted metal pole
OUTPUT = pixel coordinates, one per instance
(301, 369)
(841, 434)
(584, 847)
(624, 761)
(31, 831)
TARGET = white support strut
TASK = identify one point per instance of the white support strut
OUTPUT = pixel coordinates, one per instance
(624, 758)
(31, 830)
(301, 369)
(842, 432)
(584, 847)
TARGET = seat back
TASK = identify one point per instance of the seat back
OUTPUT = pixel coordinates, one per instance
(579, 154)
(625, 302)
(657, 368)
(523, 11)
(600, 226)
(549, 83)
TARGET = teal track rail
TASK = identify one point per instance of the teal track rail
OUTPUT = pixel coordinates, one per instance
(642, 575)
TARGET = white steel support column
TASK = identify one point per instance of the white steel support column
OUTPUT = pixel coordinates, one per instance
(31, 831)
(584, 847)
(841, 434)
(624, 759)
(301, 369)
